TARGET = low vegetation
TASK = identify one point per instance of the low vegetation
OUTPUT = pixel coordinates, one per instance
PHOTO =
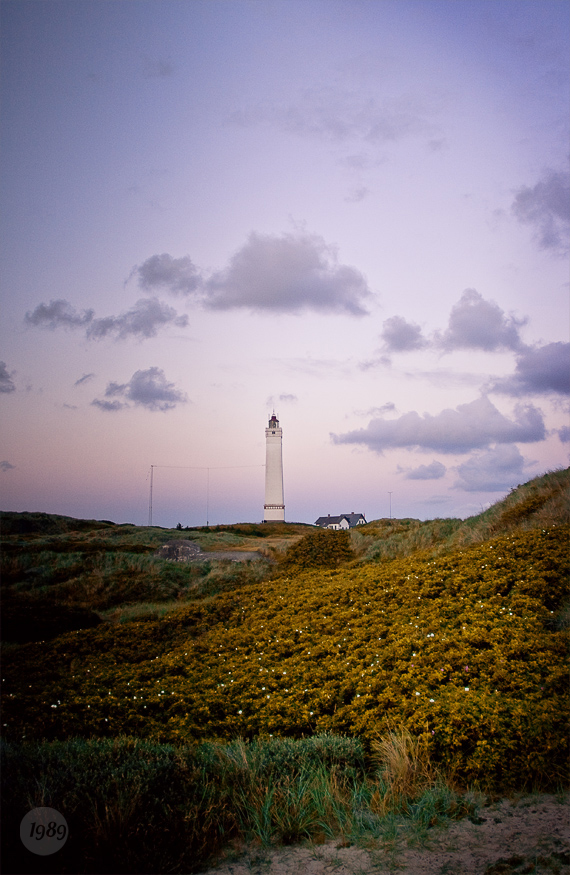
(138, 806)
(353, 679)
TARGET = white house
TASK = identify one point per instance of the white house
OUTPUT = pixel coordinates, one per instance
(344, 521)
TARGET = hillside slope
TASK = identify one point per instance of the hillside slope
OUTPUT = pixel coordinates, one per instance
(468, 650)
(543, 501)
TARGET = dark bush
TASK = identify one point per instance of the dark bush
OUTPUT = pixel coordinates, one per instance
(325, 549)
(26, 619)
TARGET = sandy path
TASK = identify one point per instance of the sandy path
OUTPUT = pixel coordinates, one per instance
(530, 836)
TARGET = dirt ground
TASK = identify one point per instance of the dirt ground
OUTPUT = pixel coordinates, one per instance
(528, 836)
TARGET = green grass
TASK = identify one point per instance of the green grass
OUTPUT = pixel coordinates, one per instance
(136, 806)
(542, 502)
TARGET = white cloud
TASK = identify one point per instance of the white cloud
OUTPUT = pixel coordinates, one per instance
(288, 274)
(475, 323)
(402, 336)
(494, 470)
(58, 314)
(84, 379)
(142, 321)
(291, 273)
(6, 382)
(470, 426)
(357, 194)
(546, 206)
(434, 471)
(177, 275)
(329, 114)
(285, 398)
(148, 388)
(539, 371)
(157, 68)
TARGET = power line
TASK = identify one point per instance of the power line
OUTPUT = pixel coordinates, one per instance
(207, 468)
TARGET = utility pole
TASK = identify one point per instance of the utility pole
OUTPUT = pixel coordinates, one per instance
(208, 498)
(390, 494)
(150, 497)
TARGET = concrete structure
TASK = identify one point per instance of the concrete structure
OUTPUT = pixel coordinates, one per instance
(344, 521)
(274, 507)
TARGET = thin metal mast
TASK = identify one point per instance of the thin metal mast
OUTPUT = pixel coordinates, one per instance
(150, 497)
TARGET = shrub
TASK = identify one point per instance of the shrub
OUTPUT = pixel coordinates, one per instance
(464, 651)
(22, 621)
(325, 548)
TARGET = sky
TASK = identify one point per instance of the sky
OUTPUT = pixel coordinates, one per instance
(354, 213)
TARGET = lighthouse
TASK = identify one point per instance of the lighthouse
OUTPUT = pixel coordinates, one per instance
(274, 507)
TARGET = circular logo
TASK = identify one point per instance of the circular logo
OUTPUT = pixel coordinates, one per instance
(43, 831)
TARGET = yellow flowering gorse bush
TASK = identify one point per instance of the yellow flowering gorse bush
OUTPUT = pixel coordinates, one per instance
(463, 650)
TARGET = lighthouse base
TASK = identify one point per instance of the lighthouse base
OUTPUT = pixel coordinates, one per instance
(274, 513)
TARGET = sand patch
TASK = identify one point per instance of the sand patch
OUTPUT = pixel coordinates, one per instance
(529, 836)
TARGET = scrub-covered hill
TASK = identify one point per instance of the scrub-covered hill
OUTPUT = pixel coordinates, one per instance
(467, 650)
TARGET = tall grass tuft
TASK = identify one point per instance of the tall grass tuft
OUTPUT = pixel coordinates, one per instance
(404, 767)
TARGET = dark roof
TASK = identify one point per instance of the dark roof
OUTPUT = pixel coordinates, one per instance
(328, 520)
(351, 518)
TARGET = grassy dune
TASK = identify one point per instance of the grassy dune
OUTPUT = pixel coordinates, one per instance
(438, 647)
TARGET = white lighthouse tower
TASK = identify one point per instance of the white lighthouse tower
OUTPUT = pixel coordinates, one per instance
(274, 507)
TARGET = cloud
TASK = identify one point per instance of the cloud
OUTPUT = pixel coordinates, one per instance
(470, 426)
(389, 407)
(564, 434)
(473, 323)
(478, 324)
(401, 336)
(546, 206)
(273, 401)
(142, 321)
(494, 470)
(287, 274)
(382, 361)
(6, 381)
(157, 68)
(58, 314)
(84, 379)
(434, 471)
(340, 116)
(357, 194)
(539, 371)
(148, 389)
(6, 466)
(290, 273)
(178, 275)
(108, 405)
